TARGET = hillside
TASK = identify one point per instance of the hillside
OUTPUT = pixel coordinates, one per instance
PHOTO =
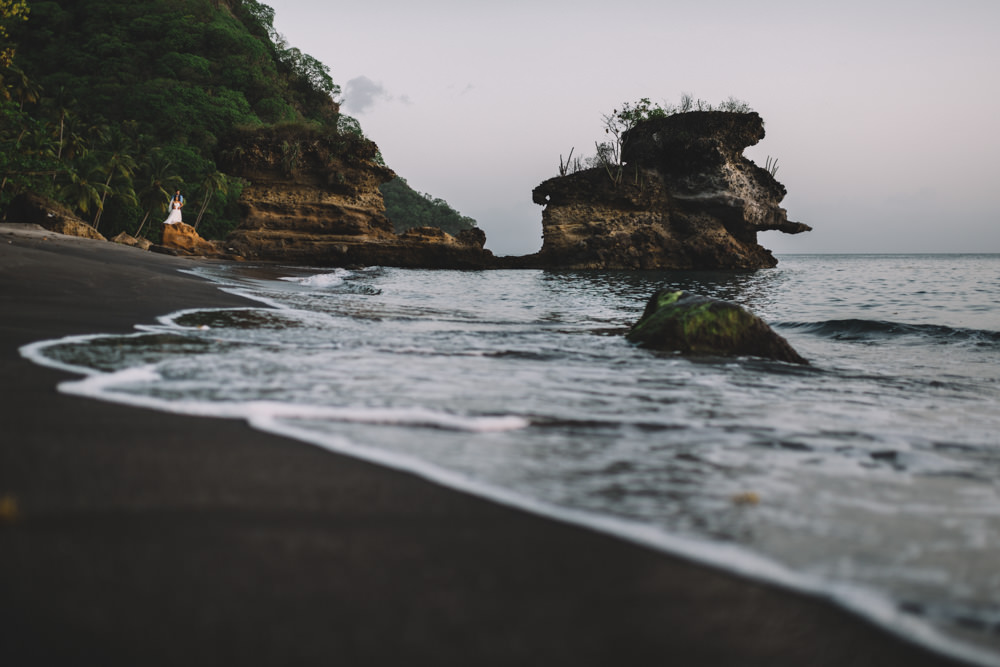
(408, 209)
(111, 104)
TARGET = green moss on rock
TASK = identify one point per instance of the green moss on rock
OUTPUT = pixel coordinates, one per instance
(692, 324)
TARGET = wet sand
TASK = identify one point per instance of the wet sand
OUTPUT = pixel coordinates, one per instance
(143, 538)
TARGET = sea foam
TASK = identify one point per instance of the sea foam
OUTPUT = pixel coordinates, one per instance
(426, 372)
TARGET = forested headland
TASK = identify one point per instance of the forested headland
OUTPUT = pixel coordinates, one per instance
(107, 106)
(407, 208)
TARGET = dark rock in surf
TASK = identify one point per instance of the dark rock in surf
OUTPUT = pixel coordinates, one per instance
(698, 325)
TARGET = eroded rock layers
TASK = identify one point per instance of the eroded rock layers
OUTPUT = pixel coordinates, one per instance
(312, 199)
(684, 198)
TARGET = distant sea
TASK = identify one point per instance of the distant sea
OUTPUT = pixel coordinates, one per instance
(870, 477)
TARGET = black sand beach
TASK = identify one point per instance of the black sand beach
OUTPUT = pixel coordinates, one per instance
(143, 538)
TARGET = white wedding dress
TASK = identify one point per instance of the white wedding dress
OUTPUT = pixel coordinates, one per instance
(175, 214)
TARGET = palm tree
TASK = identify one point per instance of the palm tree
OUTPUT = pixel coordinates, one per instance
(63, 107)
(23, 88)
(36, 140)
(30, 153)
(119, 162)
(215, 181)
(73, 144)
(82, 192)
(156, 179)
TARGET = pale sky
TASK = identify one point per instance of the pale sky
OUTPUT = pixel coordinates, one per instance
(883, 114)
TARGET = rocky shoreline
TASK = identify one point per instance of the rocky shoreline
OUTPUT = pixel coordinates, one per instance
(684, 197)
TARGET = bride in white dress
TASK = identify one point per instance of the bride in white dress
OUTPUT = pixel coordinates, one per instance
(176, 204)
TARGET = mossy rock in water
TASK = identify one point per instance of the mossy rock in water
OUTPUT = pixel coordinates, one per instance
(693, 324)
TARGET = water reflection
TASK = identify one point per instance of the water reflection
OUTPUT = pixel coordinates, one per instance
(755, 290)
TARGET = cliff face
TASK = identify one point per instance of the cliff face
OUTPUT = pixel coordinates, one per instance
(686, 198)
(316, 200)
(33, 208)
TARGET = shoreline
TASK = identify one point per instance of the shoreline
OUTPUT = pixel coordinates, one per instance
(154, 538)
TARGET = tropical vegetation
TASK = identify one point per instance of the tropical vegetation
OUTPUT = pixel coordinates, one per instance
(407, 208)
(616, 124)
(109, 105)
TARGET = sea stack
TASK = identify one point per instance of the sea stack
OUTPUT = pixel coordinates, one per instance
(684, 197)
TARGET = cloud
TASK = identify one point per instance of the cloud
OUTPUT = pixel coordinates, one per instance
(361, 94)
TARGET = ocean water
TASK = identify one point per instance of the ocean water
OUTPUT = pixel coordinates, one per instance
(870, 477)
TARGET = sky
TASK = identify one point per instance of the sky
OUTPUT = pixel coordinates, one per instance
(882, 114)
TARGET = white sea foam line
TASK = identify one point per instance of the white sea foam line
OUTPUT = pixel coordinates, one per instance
(236, 290)
(241, 292)
(266, 416)
(35, 352)
(270, 303)
(319, 279)
(102, 386)
(169, 322)
(863, 602)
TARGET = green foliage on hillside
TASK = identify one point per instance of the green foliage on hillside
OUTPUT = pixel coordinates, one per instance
(108, 105)
(406, 208)
(10, 11)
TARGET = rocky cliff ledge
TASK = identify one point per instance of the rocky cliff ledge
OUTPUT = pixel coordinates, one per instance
(29, 207)
(314, 199)
(687, 198)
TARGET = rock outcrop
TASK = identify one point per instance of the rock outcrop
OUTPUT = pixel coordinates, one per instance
(182, 239)
(685, 198)
(29, 207)
(691, 324)
(314, 199)
(124, 238)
